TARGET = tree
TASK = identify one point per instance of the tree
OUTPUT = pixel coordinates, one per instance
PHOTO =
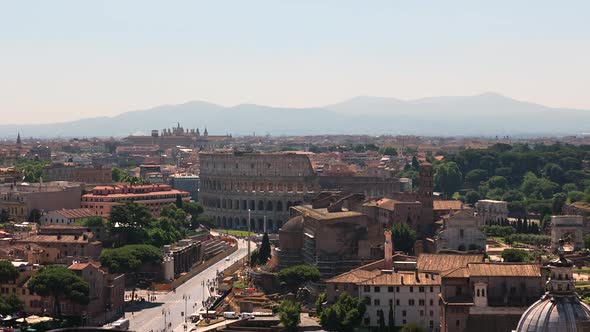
(7, 272)
(558, 202)
(515, 255)
(447, 178)
(319, 303)
(117, 174)
(35, 215)
(475, 176)
(129, 258)
(381, 320)
(412, 327)
(403, 237)
(128, 220)
(60, 283)
(344, 315)
(193, 209)
(289, 314)
(497, 181)
(94, 221)
(391, 319)
(265, 250)
(415, 163)
(389, 151)
(298, 275)
(472, 197)
(179, 201)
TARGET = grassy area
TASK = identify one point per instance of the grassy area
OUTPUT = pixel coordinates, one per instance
(234, 232)
(584, 270)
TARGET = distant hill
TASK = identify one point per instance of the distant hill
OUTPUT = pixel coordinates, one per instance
(487, 114)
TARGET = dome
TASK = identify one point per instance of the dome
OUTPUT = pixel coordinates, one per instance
(555, 314)
(560, 309)
(294, 224)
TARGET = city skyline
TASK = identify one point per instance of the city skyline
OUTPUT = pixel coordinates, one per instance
(64, 61)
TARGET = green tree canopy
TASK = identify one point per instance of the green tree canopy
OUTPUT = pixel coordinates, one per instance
(475, 176)
(7, 272)
(447, 178)
(60, 283)
(298, 275)
(403, 237)
(471, 197)
(129, 258)
(344, 315)
(515, 255)
(289, 314)
(388, 151)
(412, 327)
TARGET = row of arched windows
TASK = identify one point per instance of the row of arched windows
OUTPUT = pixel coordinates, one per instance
(252, 205)
(252, 186)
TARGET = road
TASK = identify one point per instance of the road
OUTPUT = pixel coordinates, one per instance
(166, 313)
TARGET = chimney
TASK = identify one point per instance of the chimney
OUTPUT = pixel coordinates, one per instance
(387, 250)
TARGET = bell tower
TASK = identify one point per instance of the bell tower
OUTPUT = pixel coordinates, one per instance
(425, 196)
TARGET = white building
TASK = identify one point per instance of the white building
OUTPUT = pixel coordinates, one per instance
(413, 297)
(461, 232)
(488, 210)
(65, 216)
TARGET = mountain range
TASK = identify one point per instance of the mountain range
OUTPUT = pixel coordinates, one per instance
(487, 114)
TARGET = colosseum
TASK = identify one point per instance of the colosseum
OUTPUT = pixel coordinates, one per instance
(267, 184)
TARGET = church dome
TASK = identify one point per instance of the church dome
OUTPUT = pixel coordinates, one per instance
(560, 309)
(555, 314)
(294, 224)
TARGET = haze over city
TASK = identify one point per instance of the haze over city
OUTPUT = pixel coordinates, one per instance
(66, 60)
(295, 165)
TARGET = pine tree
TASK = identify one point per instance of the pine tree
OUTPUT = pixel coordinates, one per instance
(265, 250)
(391, 322)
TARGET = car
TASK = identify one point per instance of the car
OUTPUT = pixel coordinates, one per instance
(227, 259)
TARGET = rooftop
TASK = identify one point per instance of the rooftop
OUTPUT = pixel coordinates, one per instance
(74, 213)
(444, 262)
(447, 205)
(324, 214)
(404, 278)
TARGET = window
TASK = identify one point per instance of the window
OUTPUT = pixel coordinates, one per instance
(404, 322)
(458, 291)
(431, 302)
(335, 286)
(421, 302)
(390, 302)
(366, 289)
(431, 289)
(404, 313)
(411, 289)
(421, 289)
(376, 302)
(431, 313)
(390, 289)
(397, 289)
(458, 323)
(431, 324)
(411, 302)
(461, 232)
(377, 289)
(397, 302)
(421, 313)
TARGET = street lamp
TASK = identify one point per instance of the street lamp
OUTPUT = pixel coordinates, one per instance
(186, 298)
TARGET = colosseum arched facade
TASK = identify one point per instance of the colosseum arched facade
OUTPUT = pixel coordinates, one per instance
(267, 184)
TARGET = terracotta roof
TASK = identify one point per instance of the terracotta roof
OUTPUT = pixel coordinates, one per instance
(387, 203)
(55, 239)
(447, 205)
(444, 262)
(75, 213)
(504, 270)
(460, 272)
(354, 276)
(82, 266)
(404, 278)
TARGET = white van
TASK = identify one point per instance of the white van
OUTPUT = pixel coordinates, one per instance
(121, 325)
(246, 315)
(230, 315)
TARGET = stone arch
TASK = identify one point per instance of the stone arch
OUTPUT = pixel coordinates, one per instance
(260, 206)
(252, 224)
(270, 225)
(224, 222)
(279, 205)
(223, 203)
(269, 206)
(244, 225)
(569, 228)
(252, 204)
(237, 204)
(218, 221)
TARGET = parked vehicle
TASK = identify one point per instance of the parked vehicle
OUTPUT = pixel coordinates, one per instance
(121, 325)
(230, 315)
(247, 315)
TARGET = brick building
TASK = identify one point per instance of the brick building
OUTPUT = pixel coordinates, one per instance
(155, 196)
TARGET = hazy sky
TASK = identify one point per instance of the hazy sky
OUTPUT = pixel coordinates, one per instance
(62, 60)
